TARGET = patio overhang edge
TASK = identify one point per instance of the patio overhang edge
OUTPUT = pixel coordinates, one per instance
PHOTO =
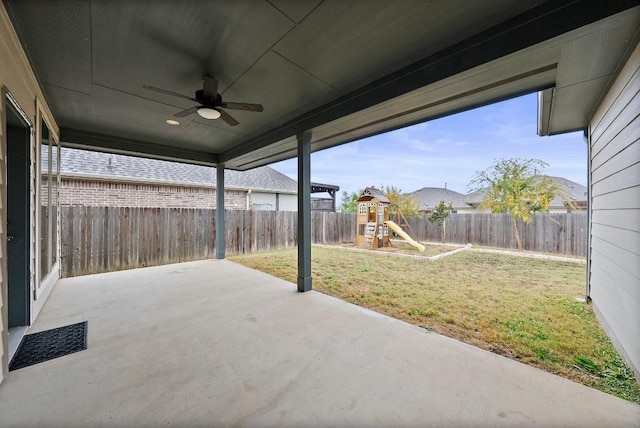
(551, 19)
(100, 142)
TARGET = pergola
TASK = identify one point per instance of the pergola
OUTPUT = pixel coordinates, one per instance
(331, 189)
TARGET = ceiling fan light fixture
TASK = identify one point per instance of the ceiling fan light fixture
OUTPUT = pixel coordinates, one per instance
(208, 113)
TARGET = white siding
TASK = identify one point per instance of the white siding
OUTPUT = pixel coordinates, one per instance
(288, 202)
(614, 168)
(270, 202)
(263, 201)
(472, 210)
(18, 78)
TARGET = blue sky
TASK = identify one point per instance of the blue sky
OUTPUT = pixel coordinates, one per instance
(448, 150)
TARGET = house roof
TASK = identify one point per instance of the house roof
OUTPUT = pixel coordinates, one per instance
(343, 70)
(91, 164)
(574, 191)
(470, 199)
(372, 192)
(430, 197)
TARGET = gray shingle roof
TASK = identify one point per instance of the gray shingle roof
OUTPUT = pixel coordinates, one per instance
(470, 199)
(574, 191)
(430, 197)
(90, 163)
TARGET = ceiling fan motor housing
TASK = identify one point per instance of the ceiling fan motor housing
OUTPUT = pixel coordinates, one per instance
(210, 102)
(207, 101)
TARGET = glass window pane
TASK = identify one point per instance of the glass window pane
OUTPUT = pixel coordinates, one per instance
(45, 151)
(55, 180)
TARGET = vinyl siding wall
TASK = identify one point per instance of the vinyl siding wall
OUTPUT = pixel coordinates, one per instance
(273, 202)
(17, 78)
(614, 138)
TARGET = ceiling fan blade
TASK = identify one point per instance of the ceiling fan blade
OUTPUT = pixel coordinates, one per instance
(187, 112)
(210, 86)
(164, 91)
(242, 106)
(227, 118)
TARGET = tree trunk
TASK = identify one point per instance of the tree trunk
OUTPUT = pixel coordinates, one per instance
(516, 232)
(443, 228)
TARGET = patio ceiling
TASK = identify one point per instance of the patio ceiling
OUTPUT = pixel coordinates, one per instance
(344, 70)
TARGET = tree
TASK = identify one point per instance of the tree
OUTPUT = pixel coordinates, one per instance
(439, 215)
(515, 186)
(348, 203)
(407, 205)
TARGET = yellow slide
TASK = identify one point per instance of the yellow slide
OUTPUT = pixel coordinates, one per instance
(397, 229)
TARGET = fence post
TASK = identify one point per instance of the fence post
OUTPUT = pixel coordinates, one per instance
(98, 239)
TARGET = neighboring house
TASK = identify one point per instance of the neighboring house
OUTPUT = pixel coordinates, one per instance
(576, 193)
(469, 203)
(587, 57)
(430, 197)
(101, 179)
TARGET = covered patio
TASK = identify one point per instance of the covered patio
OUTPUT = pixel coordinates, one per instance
(213, 343)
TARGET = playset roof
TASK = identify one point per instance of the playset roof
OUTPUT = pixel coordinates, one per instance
(373, 193)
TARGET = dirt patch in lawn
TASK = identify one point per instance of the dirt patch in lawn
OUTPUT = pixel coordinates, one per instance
(400, 247)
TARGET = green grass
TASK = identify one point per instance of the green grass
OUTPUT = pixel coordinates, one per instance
(522, 308)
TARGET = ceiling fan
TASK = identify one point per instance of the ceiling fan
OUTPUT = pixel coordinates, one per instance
(210, 101)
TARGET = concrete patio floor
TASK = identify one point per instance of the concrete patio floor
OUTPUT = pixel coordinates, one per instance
(213, 343)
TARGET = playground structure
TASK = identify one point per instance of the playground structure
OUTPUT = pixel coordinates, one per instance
(401, 233)
(372, 221)
(372, 211)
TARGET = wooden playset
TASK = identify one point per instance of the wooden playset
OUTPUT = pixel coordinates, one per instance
(372, 221)
(372, 208)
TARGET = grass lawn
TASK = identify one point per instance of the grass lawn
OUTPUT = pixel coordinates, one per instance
(524, 309)
(405, 248)
(429, 251)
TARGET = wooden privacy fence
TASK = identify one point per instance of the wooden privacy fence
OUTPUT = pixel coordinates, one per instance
(102, 239)
(550, 233)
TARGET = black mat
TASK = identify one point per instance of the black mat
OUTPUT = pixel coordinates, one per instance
(49, 344)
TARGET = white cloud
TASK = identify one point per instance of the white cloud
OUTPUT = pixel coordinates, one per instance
(447, 150)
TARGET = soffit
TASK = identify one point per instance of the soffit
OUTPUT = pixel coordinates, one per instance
(300, 60)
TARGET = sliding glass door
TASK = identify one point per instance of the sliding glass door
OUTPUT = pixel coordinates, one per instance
(48, 208)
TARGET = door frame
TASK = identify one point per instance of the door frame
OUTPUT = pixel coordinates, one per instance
(42, 282)
(11, 341)
(25, 226)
